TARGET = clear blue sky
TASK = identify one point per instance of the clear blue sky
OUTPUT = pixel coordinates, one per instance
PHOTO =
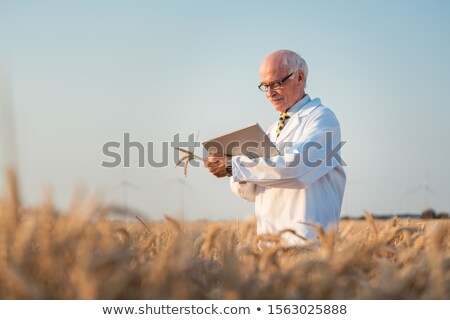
(85, 72)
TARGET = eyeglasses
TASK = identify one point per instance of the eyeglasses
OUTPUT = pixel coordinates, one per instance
(274, 85)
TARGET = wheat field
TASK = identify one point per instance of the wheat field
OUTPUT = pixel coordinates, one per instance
(79, 254)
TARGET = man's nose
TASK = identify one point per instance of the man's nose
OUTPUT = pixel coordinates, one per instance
(270, 92)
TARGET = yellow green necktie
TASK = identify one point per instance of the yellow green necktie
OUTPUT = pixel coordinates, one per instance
(281, 121)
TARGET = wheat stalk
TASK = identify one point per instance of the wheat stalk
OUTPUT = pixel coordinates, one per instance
(190, 156)
(144, 224)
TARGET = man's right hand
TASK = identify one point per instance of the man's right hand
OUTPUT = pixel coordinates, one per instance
(217, 165)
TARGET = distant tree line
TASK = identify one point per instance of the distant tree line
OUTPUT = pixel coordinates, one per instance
(426, 214)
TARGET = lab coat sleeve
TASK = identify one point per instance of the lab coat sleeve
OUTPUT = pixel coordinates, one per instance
(246, 191)
(301, 164)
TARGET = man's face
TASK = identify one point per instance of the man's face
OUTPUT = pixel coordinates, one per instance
(291, 90)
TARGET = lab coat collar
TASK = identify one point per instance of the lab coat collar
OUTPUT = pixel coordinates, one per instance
(307, 108)
(296, 107)
(294, 121)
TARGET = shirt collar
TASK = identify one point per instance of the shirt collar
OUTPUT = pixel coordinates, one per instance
(296, 107)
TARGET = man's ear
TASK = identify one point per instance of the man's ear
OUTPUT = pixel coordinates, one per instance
(301, 78)
(300, 75)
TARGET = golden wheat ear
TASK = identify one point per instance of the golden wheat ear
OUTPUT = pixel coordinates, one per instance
(190, 156)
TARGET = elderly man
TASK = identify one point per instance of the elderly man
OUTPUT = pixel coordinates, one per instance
(303, 185)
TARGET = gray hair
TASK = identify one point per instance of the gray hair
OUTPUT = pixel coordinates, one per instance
(292, 61)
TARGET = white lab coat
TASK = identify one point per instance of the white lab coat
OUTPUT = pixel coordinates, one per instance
(286, 195)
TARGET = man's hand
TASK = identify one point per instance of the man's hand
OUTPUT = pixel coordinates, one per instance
(217, 165)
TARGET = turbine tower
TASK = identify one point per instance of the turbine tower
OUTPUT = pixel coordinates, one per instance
(182, 186)
(124, 185)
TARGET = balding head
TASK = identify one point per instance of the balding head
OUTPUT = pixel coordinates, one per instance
(287, 61)
(276, 67)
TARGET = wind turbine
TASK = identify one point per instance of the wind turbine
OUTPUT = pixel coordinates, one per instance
(426, 190)
(182, 185)
(124, 185)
